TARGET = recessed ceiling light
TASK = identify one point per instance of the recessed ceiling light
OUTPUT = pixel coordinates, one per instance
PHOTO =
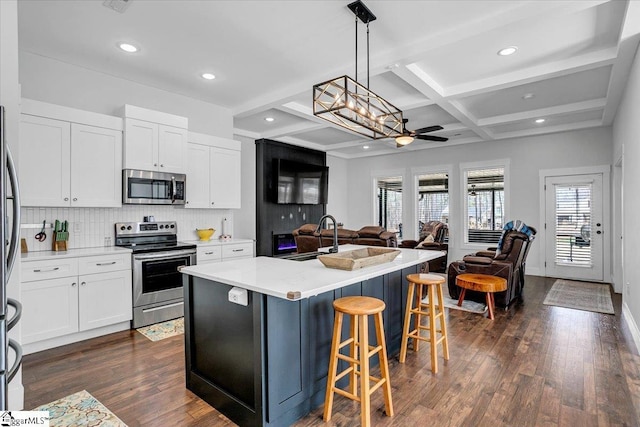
(508, 51)
(528, 96)
(128, 47)
(365, 147)
(208, 76)
(269, 119)
(540, 120)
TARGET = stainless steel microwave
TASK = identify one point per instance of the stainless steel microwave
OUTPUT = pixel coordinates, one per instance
(153, 188)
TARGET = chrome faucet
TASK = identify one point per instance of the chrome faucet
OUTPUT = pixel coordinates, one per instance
(334, 249)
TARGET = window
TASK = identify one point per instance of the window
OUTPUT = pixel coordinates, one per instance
(484, 204)
(389, 191)
(433, 198)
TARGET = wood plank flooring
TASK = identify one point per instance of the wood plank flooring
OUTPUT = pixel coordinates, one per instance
(534, 365)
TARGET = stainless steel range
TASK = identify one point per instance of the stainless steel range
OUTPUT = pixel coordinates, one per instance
(157, 255)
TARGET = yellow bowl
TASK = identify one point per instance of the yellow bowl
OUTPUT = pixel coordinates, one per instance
(205, 233)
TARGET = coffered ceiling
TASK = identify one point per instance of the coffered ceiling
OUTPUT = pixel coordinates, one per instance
(435, 60)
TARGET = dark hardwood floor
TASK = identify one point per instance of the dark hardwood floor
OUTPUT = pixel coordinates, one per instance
(532, 365)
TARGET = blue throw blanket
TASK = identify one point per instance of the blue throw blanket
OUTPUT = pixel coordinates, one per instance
(517, 226)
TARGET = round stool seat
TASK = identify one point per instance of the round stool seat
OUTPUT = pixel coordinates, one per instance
(359, 306)
(426, 279)
(481, 282)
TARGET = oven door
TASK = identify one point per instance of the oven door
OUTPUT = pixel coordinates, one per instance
(156, 277)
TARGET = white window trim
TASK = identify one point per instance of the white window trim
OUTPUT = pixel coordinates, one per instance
(464, 169)
(385, 173)
(413, 215)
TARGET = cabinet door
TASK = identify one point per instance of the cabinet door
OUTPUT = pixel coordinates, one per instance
(225, 178)
(96, 167)
(50, 309)
(104, 299)
(140, 145)
(172, 149)
(45, 145)
(197, 176)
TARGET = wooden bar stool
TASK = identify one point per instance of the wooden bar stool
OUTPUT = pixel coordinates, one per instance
(434, 283)
(358, 308)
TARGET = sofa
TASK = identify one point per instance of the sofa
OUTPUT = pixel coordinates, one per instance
(308, 240)
(509, 264)
(433, 235)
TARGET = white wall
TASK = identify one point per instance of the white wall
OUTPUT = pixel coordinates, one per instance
(49, 80)
(626, 136)
(10, 99)
(338, 194)
(245, 218)
(527, 156)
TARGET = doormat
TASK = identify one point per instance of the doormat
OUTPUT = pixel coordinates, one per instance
(80, 409)
(467, 305)
(160, 331)
(585, 296)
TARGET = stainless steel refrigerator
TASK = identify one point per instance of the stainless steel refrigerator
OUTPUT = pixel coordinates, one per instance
(10, 236)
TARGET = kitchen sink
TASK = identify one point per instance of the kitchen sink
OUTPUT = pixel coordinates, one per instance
(304, 256)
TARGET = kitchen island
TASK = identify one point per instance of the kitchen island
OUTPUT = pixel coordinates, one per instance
(262, 359)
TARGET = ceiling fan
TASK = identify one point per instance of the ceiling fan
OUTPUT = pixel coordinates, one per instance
(408, 136)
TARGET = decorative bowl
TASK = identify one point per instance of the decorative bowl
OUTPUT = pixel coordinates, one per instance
(205, 233)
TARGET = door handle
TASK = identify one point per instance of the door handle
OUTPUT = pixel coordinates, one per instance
(598, 232)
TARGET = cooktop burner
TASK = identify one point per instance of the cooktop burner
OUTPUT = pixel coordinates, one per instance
(149, 236)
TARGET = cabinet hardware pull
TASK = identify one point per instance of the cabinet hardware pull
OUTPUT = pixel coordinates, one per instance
(105, 263)
(161, 165)
(66, 199)
(73, 284)
(83, 283)
(75, 199)
(237, 250)
(208, 253)
(155, 164)
(46, 271)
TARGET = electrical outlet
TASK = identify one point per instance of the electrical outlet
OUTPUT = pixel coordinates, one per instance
(238, 296)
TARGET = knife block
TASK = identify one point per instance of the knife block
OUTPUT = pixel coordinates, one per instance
(58, 245)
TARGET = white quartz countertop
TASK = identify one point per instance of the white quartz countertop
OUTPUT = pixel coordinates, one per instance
(80, 252)
(284, 278)
(217, 242)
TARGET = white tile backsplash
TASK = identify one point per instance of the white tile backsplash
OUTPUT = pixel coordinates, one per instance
(88, 227)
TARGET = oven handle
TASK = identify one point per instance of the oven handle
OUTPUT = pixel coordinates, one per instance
(173, 189)
(163, 255)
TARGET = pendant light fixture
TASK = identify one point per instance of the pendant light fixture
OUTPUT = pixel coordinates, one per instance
(351, 105)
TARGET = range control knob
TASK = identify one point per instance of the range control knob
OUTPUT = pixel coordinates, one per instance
(122, 227)
(129, 227)
(161, 226)
(173, 226)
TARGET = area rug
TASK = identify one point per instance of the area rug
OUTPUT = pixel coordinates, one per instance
(585, 296)
(160, 331)
(467, 305)
(80, 409)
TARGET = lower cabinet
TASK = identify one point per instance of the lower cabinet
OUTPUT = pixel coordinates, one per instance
(66, 301)
(208, 253)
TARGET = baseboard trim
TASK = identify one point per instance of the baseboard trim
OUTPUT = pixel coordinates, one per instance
(75, 337)
(631, 323)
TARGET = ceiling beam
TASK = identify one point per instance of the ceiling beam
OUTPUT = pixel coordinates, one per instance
(576, 107)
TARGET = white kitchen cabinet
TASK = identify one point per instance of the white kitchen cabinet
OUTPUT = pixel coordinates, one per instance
(104, 299)
(237, 250)
(208, 254)
(96, 166)
(225, 177)
(154, 141)
(45, 161)
(69, 295)
(69, 164)
(213, 172)
(217, 251)
(50, 309)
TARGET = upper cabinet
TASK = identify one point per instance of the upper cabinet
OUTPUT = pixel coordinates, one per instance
(154, 141)
(69, 157)
(213, 172)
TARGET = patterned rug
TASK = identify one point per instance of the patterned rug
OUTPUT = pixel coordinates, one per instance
(467, 305)
(585, 296)
(160, 331)
(80, 409)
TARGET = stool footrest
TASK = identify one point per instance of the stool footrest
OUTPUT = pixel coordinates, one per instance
(346, 394)
(346, 343)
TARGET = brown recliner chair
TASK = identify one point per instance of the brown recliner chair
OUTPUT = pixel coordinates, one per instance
(432, 237)
(374, 235)
(508, 264)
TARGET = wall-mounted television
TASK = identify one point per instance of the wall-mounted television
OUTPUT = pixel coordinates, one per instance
(300, 183)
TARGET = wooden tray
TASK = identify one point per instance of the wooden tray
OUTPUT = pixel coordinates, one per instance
(359, 258)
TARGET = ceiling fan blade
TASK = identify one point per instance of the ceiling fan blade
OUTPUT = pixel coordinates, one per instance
(431, 138)
(428, 129)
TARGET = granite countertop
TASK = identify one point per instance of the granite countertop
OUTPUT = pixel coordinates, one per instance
(294, 280)
(80, 252)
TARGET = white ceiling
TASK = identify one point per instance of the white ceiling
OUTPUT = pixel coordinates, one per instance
(435, 60)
